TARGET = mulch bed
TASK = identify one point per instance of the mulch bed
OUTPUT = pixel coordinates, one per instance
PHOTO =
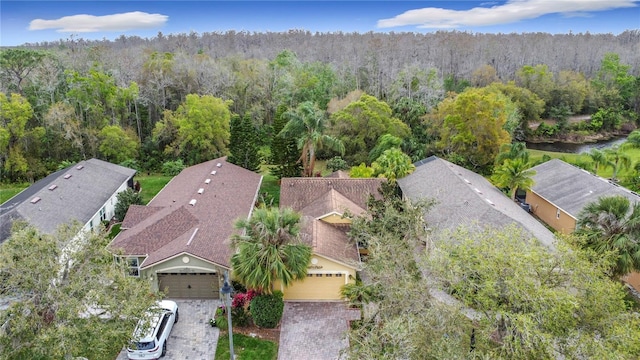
(260, 333)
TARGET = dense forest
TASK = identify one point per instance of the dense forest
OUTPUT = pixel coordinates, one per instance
(190, 97)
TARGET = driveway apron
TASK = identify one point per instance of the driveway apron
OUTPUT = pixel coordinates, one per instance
(314, 330)
(192, 338)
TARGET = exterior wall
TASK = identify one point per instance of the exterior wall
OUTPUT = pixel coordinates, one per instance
(633, 279)
(548, 213)
(183, 263)
(318, 286)
(106, 211)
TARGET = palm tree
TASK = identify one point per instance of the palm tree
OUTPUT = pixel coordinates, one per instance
(393, 164)
(513, 151)
(513, 175)
(618, 160)
(269, 249)
(308, 123)
(599, 159)
(612, 224)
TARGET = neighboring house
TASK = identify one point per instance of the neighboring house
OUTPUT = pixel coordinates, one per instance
(180, 241)
(562, 190)
(85, 193)
(322, 203)
(464, 198)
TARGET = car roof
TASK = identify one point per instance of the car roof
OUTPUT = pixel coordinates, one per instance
(154, 317)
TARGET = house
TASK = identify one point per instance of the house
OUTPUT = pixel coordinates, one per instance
(562, 190)
(180, 240)
(85, 192)
(465, 198)
(323, 202)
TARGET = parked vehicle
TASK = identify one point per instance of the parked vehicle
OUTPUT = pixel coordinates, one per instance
(150, 336)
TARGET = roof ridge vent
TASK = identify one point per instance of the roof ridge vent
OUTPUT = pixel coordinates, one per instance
(219, 164)
(200, 191)
(207, 181)
(68, 176)
(467, 181)
(213, 172)
(53, 187)
(79, 167)
(490, 202)
(478, 191)
(35, 200)
(193, 202)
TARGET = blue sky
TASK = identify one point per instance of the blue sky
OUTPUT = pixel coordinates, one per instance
(35, 21)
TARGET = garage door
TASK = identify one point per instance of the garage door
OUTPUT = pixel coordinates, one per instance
(189, 286)
(316, 287)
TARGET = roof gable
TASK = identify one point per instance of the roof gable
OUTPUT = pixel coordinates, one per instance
(466, 198)
(572, 188)
(223, 192)
(317, 197)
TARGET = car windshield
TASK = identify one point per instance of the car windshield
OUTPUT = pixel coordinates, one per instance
(142, 345)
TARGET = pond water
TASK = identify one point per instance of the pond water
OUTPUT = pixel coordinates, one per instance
(576, 148)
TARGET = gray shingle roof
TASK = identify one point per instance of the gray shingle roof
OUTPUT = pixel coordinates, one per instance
(170, 225)
(77, 197)
(466, 198)
(571, 188)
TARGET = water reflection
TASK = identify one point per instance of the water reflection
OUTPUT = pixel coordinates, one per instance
(576, 148)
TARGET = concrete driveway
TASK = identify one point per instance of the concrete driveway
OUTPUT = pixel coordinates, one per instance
(314, 330)
(192, 337)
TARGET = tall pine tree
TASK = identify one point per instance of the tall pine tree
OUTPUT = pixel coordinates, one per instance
(244, 143)
(284, 150)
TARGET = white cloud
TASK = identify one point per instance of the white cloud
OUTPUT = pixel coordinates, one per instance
(90, 23)
(509, 12)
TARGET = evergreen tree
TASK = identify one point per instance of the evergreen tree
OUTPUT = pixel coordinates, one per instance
(284, 149)
(244, 143)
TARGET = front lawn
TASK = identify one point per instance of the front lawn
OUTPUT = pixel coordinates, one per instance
(246, 348)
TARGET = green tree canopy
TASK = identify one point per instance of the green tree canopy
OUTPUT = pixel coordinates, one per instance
(307, 123)
(197, 131)
(612, 225)
(71, 304)
(362, 123)
(513, 175)
(393, 164)
(269, 249)
(471, 126)
(117, 144)
(15, 112)
(16, 65)
(243, 143)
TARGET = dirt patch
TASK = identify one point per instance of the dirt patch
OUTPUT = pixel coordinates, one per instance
(260, 333)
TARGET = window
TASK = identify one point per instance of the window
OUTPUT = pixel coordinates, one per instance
(329, 275)
(309, 275)
(557, 213)
(338, 275)
(134, 267)
(103, 214)
(318, 275)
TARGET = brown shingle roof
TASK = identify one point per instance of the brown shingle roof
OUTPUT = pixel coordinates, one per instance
(297, 193)
(202, 229)
(330, 202)
(314, 197)
(136, 214)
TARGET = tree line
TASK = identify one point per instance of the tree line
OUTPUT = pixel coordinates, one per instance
(145, 102)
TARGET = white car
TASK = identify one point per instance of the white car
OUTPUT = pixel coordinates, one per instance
(151, 334)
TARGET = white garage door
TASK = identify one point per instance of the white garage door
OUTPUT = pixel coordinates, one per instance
(189, 286)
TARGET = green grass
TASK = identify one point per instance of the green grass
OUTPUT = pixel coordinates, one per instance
(7, 191)
(606, 173)
(150, 185)
(270, 187)
(246, 348)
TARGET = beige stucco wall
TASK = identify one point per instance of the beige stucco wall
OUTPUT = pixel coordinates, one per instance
(548, 213)
(322, 287)
(178, 265)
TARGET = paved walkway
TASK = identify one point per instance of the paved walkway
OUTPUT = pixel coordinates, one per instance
(314, 330)
(192, 338)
